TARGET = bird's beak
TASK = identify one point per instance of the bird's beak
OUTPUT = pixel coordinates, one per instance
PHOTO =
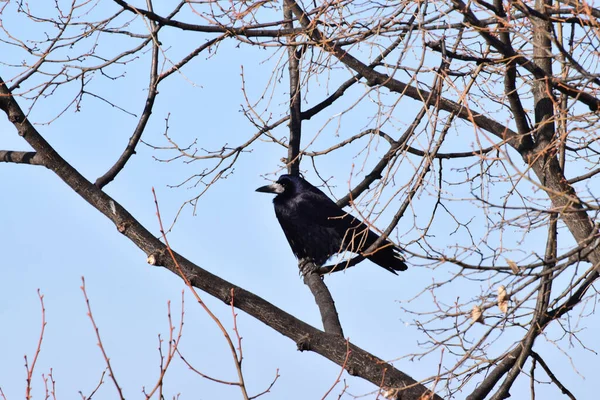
(273, 188)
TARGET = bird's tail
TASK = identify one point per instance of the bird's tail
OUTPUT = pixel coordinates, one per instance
(388, 257)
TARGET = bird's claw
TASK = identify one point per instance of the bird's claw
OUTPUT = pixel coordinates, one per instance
(307, 266)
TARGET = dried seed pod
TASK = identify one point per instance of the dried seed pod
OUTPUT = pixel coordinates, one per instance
(503, 299)
(513, 266)
(477, 314)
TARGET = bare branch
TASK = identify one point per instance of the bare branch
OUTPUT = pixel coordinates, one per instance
(323, 298)
(20, 157)
(331, 347)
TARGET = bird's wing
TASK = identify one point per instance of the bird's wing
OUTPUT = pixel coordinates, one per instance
(354, 235)
(321, 210)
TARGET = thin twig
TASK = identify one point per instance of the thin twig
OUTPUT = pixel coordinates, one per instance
(551, 375)
(173, 346)
(38, 348)
(268, 389)
(237, 360)
(100, 382)
(97, 332)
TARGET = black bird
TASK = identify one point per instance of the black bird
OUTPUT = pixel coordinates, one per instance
(316, 228)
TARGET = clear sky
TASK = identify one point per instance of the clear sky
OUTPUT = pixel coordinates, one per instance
(50, 238)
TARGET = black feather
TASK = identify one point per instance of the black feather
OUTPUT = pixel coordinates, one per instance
(316, 228)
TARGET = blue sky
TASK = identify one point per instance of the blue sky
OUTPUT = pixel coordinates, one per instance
(51, 238)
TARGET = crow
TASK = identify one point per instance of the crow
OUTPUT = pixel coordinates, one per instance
(316, 228)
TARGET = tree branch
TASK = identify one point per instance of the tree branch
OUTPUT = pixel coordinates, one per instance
(243, 31)
(377, 78)
(486, 386)
(546, 168)
(323, 298)
(139, 129)
(553, 377)
(21, 157)
(509, 53)
(312, 279)
(544, 134)
(332, 347)
(294, 56)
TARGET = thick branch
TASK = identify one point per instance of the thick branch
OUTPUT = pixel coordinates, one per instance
(294, 56)
(322, 295)
(544, 133)
(334, 348)
(377, 78)
(563, 197)
(546, 168)
(21, 157)
(323, 298)
(486, 386)
(509, 53)
(510, 87)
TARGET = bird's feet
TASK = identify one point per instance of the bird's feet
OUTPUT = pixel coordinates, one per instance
(307, 266)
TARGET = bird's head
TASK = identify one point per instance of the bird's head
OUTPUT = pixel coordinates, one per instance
(286, 185)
